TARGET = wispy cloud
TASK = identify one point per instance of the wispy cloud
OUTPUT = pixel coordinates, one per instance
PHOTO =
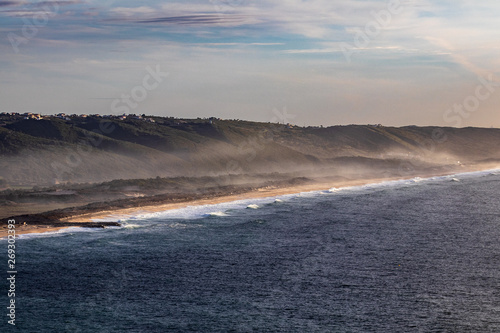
(200, 19)
(58, 3)
(24, 8)
(8, 3)
(239, 44)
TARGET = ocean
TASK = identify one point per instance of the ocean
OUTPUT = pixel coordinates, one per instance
(419, 255)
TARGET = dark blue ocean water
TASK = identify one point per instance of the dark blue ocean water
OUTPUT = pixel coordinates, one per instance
(408, 256)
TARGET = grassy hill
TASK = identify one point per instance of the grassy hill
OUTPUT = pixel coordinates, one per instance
(95, 149)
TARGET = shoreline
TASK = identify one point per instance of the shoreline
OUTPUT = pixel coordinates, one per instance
(25, 229)
(258, 194)
(116, 214)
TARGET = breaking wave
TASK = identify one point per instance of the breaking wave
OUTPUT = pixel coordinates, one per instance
(215, 214)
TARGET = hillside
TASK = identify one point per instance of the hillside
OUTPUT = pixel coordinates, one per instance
(81, 149)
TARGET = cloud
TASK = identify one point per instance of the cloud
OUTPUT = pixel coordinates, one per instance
(58, 3)
(462, 59)
(239, 44)
(34, 8)
(200, 19)
(128, 12)
(8, 3)
(313, 51)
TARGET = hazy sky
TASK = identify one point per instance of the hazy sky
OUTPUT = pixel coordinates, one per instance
(310, 62)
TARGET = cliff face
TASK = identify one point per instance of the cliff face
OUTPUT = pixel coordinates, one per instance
(95, 149)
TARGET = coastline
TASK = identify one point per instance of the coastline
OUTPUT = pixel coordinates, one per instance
(112, 215)
(116, 214)
(24, 229)
(258, 194)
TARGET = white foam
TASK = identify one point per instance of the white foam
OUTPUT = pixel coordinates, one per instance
(413, 181)
(217, 214)
(395, 183)
(253, 206)
(201, 211)
(61, 232)
(133, 226)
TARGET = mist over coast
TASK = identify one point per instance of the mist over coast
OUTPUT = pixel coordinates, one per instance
(90, 149)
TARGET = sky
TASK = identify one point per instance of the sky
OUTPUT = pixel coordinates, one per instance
(306, 62)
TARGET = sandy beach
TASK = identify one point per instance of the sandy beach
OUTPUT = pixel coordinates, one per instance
(262, 193)
(117, 214)
(114, 215)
